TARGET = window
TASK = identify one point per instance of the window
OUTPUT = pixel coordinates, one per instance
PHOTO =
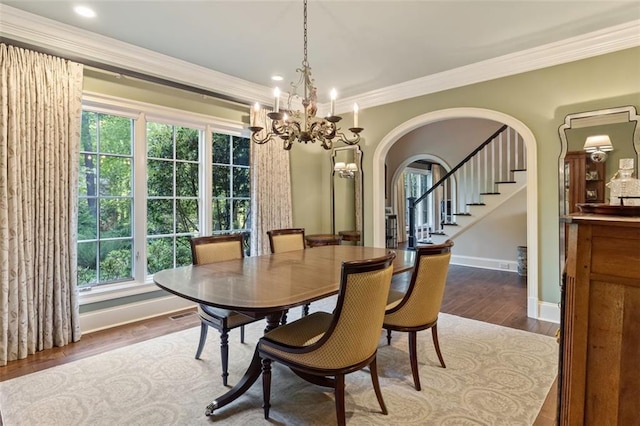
(149, 179)
(416, 183)
(231, 196)
(105, 199)
(172, 194)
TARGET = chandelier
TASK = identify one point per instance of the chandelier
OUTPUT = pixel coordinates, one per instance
(291, 125)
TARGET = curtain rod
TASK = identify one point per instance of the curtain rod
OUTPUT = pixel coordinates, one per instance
(129, 73)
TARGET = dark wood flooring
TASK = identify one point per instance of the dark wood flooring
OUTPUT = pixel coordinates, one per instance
(496, 297)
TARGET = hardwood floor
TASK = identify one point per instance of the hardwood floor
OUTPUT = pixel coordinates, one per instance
(496, 297)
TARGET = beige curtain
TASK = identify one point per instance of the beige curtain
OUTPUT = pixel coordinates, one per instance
(41, 98)
(270, 193)
(401, 207)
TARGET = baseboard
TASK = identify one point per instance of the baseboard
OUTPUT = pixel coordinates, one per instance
(549, 312)
(131, 312)
(485, 263)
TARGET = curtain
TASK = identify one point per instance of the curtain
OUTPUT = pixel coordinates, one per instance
(41, 99)
(270, 193)
(401, 207)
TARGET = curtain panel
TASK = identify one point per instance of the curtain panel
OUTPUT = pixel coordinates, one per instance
(41, 99)
(270, 193)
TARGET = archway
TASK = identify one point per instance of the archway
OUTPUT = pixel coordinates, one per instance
(392, 137)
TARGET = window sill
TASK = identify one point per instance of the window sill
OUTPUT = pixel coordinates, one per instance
(116, 291)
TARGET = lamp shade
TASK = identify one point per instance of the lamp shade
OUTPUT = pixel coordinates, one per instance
(339, 166)
(598, 143)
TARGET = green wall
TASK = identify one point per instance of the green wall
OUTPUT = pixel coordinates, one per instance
(540, 99)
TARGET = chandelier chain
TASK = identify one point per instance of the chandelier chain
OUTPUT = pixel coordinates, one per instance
(304, 61)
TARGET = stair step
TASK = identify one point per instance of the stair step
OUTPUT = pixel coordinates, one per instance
(450, 224)
(438, 233)
(489, 193)
(462, 214)
(518, 170)
(476, 204)
(506, 181)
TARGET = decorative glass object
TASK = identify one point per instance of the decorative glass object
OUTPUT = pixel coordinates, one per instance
(625, 189)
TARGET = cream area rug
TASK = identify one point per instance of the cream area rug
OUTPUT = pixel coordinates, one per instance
(494, 376)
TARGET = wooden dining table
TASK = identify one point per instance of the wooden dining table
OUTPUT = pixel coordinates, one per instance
(268, 285)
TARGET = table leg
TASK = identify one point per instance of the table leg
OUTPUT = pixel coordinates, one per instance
(250, 376)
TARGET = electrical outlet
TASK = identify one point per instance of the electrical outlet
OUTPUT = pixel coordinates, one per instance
(504, 265)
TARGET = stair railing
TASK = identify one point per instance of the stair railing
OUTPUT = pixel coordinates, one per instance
(493, 161)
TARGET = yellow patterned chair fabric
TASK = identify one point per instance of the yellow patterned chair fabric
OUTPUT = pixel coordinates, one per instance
(323, 345)
(218, 248)
(282, 240)
(418, 308)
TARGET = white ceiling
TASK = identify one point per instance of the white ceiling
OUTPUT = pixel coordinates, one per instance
(354, 46)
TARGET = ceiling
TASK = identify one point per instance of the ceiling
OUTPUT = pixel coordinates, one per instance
(353, 46)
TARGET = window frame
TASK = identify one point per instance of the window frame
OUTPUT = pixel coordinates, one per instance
(141, 113)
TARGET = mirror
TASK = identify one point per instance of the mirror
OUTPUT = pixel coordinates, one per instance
(621, 124)
(347, 208)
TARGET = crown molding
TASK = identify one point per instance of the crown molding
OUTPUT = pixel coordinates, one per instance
(87, 47)
(592, 44)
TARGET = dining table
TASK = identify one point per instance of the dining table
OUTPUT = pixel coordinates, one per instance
(267, 286)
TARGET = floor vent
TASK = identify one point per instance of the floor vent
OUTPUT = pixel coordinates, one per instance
(182, 315)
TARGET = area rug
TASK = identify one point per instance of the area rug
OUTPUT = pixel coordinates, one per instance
(494, 376)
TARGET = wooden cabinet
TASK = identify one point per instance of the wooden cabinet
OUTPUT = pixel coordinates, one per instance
(599, 374)
(584, 180)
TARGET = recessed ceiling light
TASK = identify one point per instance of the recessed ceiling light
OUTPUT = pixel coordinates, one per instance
(276, 77)
(84, 11)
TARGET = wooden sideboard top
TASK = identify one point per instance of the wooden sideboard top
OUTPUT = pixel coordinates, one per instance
(601, 219)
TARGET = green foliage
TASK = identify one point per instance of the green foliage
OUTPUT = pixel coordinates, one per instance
(105, 202)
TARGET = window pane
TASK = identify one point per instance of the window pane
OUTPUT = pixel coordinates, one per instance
(241, 182)
(159, 178)
(183, 251)
(115, 217)
(87, 175)
(159, 217)
(221, 181)
(241, 214)
(159, 254)
(221, 148)
(115, 134)
(221, 215)
(89, 132)
(115, 176)
(240, 151)
(87, 255)
(87, 218)
(159, 140)
(115, 260)
(187, 144)
(186, 216)
(187, 179)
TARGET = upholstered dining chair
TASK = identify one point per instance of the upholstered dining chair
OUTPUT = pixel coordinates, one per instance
(323, 347)
(288, 239)
(417, 308)
(218, 248)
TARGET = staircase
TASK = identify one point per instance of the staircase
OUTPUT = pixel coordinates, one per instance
(489, 202)
(475, 187)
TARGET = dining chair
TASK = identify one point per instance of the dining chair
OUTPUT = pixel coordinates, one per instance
(218, 248)
(417, 308)
(323, 347)
(283, 240)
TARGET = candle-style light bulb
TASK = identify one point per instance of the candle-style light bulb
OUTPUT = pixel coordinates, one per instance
(254, 114)
(334, 95)
(276, 94)
(355, 115)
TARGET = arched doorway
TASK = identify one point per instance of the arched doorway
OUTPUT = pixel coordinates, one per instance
(392, 137)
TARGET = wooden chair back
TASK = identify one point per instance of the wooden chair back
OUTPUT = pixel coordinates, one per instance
(216, 248)
(283, 240)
